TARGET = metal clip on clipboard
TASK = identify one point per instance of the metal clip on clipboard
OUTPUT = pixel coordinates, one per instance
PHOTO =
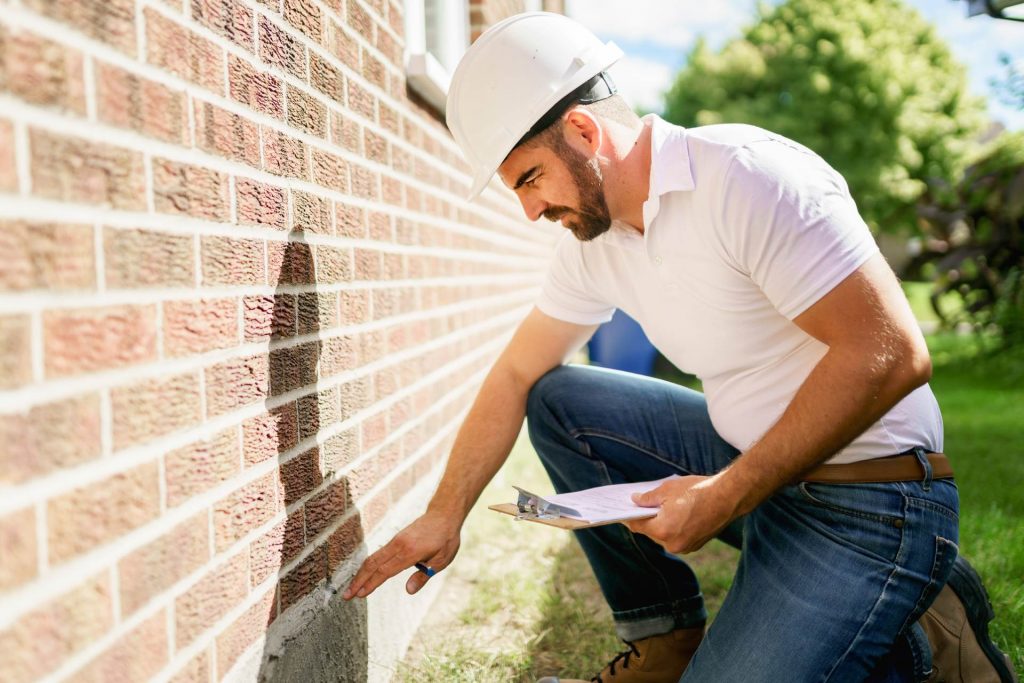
(532, 506)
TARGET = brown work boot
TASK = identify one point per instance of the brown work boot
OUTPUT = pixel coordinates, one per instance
(957, 628)
(658, 659)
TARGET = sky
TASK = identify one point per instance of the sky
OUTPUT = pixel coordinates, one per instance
(656, 35)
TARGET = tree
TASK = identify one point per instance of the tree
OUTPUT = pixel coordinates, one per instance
(865, 83)
(974, 242)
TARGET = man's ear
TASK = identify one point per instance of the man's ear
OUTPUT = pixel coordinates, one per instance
(583, 131)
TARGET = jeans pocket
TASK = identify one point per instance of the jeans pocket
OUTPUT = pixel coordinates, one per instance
(865, 517)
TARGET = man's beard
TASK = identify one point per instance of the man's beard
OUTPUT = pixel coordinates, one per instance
(591, 218)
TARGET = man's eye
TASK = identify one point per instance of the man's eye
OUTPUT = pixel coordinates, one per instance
(532, 181)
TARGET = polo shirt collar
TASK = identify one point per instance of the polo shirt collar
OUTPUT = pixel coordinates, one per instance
(670, 165)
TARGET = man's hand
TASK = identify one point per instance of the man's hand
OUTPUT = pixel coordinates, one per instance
(693, 510)
(432, 539)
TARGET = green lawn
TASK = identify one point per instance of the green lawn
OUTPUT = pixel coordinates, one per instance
(522, 602)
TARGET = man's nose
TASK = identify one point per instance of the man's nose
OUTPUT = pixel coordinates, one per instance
(533, 206)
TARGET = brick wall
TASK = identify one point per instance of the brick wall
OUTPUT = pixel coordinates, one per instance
(243, 308)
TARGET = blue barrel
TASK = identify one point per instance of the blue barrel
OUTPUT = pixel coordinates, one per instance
(622, 345)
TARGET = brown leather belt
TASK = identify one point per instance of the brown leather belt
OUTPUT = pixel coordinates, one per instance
(892, 468)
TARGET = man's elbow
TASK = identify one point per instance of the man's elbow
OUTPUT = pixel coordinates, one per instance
(915, 365)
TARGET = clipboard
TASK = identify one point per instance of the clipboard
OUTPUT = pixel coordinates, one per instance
(533, 508)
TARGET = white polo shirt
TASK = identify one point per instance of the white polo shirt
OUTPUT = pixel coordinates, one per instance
(743, 231)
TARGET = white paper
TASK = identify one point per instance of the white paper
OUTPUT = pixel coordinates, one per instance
(607, 503)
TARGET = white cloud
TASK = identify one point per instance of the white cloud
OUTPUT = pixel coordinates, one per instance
(642, 81)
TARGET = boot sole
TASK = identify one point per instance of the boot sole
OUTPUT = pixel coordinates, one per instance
(966, 583)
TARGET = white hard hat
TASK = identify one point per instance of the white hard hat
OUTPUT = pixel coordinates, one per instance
(512, 76)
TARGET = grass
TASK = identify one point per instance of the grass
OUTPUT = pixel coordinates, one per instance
(521, 602)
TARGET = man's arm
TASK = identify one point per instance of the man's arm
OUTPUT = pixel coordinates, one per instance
(876, 356)
(481, 447)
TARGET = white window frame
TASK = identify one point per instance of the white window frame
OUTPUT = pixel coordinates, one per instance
(430, 75)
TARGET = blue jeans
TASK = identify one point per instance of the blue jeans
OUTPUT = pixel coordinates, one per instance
(829, 577)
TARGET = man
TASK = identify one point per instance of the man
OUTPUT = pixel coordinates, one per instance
(742, 255)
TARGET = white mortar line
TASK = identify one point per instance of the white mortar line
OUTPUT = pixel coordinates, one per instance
(89, 75)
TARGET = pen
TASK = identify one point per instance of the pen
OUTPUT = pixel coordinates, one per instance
(429, 571)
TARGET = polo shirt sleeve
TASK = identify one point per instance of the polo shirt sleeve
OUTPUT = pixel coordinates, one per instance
(788, 221)
(565, 293)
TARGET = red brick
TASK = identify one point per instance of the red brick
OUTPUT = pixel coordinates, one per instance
(143, 258)
(304, 578)
(364, 182)
(373, 431)
(269, 316)
(8, 165)
(333, 265)
(284, 155)
(330, 171)
(126, 100)
(350, 221)
(276, 548)
(248, 508)
(190, 190)
(198, 467)
(310, 213)
(47, 256)
(325, 508)
(192, 327)
(342, 45)
(235, 383)
(256, 89)
(369, 264)
(260, 204)
(41, 71)
(18, 539)
(306, 113)
(392, 191)
(374, 70)
(280, 49)
(97, 513)
(347, 132)
(269, 435)
(15, 351)
(290, 263)
(152, 408)
(326, 78)
(317, 311)
(93, 339)
(340, 450)
(147, 572)
(184, 53)
(138, 656)
(360, 100)
(49, 437)
(293, 367)
(359, 19)
(75, 170)
(42, 640)
(213, 596)
(228, 18)
(344, 541)
(354, 306)
(109, 21)
(300, 476)
(338, 355)
(237, 637)
(226, 134)
(196, 670)
(228, 261)
(306, 17)
(376, 147)
(355, 395)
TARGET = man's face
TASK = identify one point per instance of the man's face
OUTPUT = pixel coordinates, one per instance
(558, 182)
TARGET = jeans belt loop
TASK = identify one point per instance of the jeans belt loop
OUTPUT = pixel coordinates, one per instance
(922, 457)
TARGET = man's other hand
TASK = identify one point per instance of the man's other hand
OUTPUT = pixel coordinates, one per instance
(432, 539)
(693, 510)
